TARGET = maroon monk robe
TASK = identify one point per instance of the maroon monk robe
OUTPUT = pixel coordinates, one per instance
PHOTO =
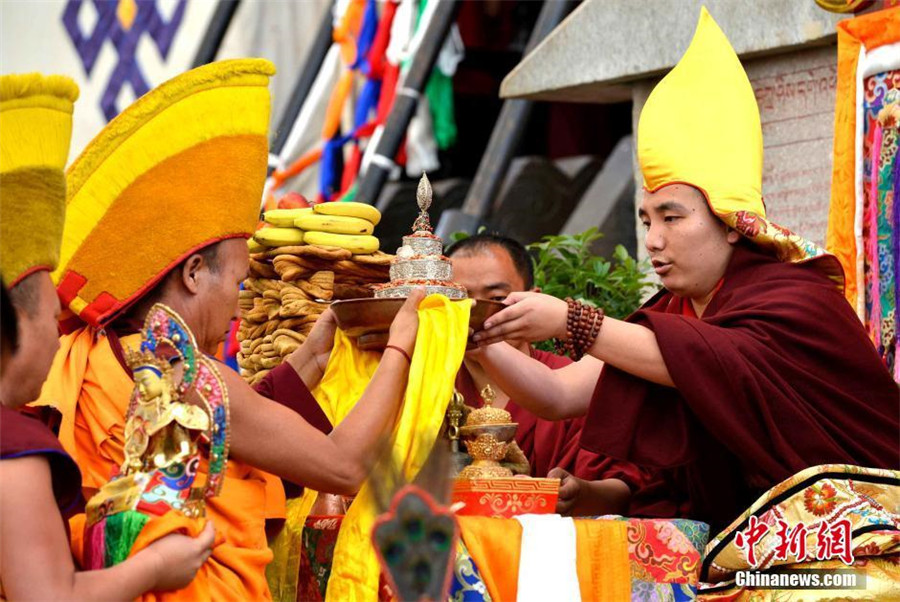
(778, 375)
(21, 436)
(555, 443)
(283, 385)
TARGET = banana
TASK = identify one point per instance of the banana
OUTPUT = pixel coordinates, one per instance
(358, 245)
(349, 209)
(336, 224)
(284, 218)
(254, 246)
(278, 237)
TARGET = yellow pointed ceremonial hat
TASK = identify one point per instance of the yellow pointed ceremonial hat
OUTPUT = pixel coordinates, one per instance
(35, 130)
(700, 126)
(180, 169)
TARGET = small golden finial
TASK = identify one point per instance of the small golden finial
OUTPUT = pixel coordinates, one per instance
(423, 198)
(423, 193)
(488, 414)
(488, 395)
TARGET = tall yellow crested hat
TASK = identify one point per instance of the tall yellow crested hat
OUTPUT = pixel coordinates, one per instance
(35, 130)
(180, 169)
(701, 126)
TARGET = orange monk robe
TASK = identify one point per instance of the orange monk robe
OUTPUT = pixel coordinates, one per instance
(90, 387)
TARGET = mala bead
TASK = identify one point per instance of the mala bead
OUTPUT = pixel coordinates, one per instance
(583, 324)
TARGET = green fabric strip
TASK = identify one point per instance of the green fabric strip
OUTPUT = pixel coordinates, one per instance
(122, 530)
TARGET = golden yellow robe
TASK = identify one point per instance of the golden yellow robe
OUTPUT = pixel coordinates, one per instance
(92, 391)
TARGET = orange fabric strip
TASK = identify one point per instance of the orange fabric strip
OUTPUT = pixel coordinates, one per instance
(336, 105)
(297, 167)
(604, 571)
(872, 30)
(840, 238)
(495, 545)
(347, 30)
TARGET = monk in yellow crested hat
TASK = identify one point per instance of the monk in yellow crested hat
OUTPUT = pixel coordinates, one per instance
(175, 172)
(159, 207)
(749, 366)
(701, 127)
(36, 126)
(36, 121)
(41, 482)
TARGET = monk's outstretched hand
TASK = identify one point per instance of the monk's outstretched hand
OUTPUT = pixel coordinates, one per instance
(529, 317)
(406, 323)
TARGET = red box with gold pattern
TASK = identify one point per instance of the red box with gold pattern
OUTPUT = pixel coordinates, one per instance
(506, 497)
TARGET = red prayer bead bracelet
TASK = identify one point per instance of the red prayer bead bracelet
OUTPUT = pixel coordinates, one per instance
(583, 324)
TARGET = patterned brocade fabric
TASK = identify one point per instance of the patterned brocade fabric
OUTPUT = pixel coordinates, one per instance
(665, 558)
(881, 223)
(866, 497)
(319, 538)
(467, 585)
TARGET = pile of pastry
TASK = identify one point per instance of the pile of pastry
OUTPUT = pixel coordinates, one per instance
(288, 289)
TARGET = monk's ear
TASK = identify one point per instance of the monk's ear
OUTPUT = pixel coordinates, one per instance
(190, 273)
(732, 235)
(535, 289)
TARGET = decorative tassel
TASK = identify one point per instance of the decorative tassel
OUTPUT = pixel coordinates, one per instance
(95, 546)
(122, 530)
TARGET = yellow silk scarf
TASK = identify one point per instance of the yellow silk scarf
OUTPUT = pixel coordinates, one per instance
(348, 373)
(440, 346)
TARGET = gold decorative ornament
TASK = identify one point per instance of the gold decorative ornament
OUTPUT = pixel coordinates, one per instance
(844, 6)
(487, 436)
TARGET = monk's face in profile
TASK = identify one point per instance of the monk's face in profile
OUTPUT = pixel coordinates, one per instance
(688, 245)
(217, 294)
(25, 371)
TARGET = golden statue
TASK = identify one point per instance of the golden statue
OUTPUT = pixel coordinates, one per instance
(158, 433)
(166, 434)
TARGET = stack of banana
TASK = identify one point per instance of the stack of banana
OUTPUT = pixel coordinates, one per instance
(343, 225)
(302, 261)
